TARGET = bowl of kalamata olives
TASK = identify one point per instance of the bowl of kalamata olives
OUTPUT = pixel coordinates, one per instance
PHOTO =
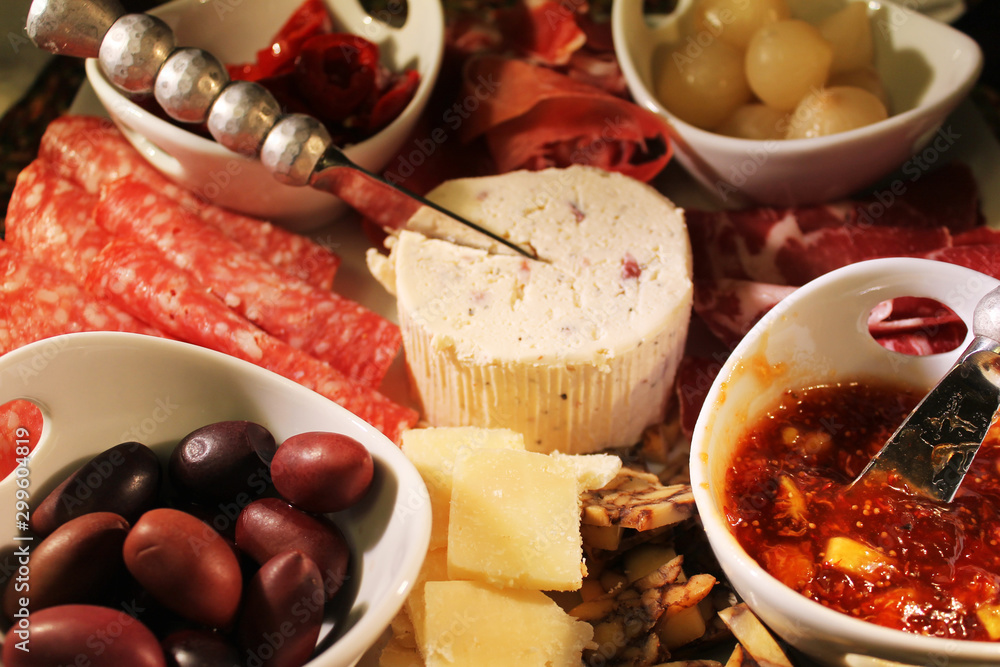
(182, 507)
(794, 102)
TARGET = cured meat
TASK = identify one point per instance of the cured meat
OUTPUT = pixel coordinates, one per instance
(20, 429)
(770, 245)
(356, 341)
(730, 308)
(136, 277)
(917, 326)
(794, 246)
(92, 152)
(534, 117)
(746, 261)
(543, 30)
(39, 301)
(51, 219)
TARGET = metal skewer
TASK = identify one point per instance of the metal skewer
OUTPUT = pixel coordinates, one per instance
(137, 53)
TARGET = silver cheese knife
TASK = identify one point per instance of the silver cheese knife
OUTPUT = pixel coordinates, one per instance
(935, 445)
(136, 52)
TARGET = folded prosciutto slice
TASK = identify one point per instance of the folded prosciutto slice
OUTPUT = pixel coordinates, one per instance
(534, 117)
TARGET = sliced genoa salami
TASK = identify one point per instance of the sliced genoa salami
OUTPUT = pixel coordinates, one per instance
(136, 277)
(39, 301)
(359, 343)
(20, 429)
(93, 152)
(52, 219)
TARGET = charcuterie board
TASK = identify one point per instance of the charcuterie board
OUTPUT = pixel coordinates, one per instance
(965, 138)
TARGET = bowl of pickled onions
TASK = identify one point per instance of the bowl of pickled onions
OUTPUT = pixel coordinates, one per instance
(366, 75)
(791, 102)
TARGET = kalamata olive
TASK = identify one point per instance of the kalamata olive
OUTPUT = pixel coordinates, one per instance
(282, 611)
(322, 472)
(222, 461)
(200, 648)
(124, 479)
(81, 635)
(185, 565)
(268, 526)
(76, 563)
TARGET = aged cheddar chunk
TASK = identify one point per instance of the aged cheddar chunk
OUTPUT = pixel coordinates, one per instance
(577, 352)
(471, 623)
(432, 452)
(515, 521)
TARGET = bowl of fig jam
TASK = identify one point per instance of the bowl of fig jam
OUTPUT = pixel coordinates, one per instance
(125, 412)
(851, 574)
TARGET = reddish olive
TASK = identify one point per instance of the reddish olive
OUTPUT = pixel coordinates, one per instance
(282, 611)
(81, 635)
(77, 563)
(185, 565)
(200, 648)
(220, 462)
(124, 479)
(322, 472)
(268, 526)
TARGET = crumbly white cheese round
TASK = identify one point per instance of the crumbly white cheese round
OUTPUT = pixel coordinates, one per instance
(578, 351)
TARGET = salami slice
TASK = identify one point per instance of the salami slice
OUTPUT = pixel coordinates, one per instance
(136, 277)
(92, 152)
(39, 301)
(51, 219)
(356, 341)
(20, 429)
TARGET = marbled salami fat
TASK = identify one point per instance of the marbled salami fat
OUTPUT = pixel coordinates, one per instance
(356, 341)
(136, 277)
(93, 152)
(38, 301)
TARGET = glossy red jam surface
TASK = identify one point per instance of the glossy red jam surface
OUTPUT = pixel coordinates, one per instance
(877, 552)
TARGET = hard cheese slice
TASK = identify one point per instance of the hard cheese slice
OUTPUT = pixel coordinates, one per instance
(470, 623)
(433, 450)
(515, 521)
(435, 568)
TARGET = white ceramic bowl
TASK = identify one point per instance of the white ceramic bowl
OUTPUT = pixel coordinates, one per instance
(926, 66)
(233, 32)
(819, 334)
(96, 390)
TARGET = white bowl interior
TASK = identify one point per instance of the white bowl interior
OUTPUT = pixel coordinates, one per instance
(96, 390)
(927, 67)
(819, 334)
(233, 32)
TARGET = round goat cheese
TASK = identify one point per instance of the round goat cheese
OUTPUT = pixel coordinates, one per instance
(577, 351)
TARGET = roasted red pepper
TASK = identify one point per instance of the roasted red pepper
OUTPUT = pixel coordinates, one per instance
(336, 74)
(333, 76)
(311, 18)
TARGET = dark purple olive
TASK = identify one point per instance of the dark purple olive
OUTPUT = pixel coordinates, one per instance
(81, 635)
(322, 472)
(77, 563)
(282, 611)
(200, 648)
(220, 462)
(268, 526)
(124, 479)
(185, 565)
